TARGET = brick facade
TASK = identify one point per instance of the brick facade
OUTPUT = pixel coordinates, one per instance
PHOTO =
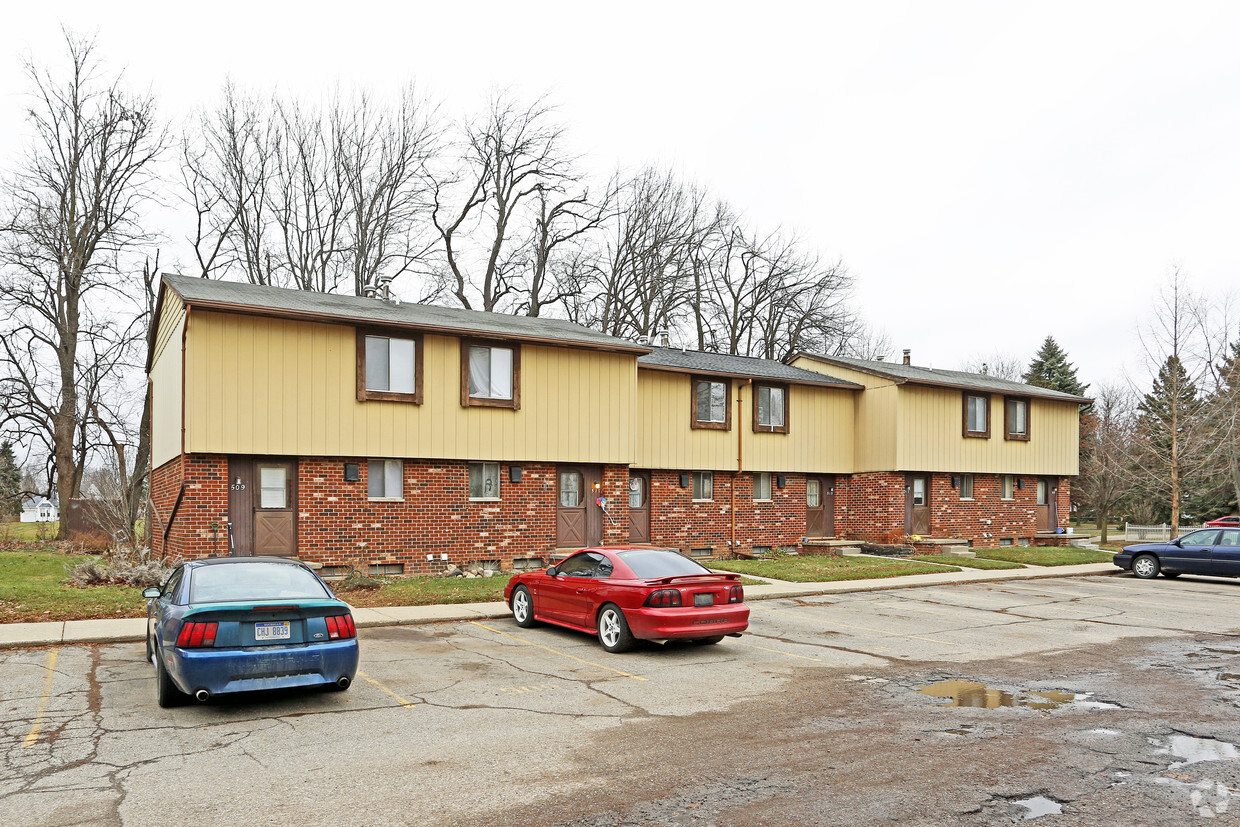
(677, 521)
(200, 525)
(870, 506)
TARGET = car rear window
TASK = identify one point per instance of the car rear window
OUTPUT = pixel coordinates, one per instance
(652, 562)
(232, 582)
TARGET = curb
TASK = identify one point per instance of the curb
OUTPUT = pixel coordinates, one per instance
(133, 630)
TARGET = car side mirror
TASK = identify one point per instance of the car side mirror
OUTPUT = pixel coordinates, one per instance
(151, 592)
(551, 571)
(1176, 542)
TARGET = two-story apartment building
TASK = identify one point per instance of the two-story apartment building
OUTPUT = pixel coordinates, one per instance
(358, 432)
(947, 454)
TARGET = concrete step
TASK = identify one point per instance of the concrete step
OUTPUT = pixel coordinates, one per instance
(850, 551)
(959, 551)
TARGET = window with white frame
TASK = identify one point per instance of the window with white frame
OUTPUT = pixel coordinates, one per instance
(762, 487)
(772, 408)
(493, 375)
(703, 485)
(385, 479)
(1008, 487)
(966, 487)
(484, 480)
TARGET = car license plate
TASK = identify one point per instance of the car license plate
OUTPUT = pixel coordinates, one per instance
(703, 600)
(278, 630)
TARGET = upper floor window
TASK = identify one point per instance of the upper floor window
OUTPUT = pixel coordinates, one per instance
(490, 375)
(710, 404)
(385, 479)
(771, 408)
(1016, 418)
(977, 415)
(389, 367)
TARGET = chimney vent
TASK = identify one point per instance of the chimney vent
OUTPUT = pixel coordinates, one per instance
(908, 356)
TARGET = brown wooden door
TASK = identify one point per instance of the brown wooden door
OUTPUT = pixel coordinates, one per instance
(815, 507)
(639, 507)
(1047, 519)
(262, 506)
(578, 517)
(917, 504)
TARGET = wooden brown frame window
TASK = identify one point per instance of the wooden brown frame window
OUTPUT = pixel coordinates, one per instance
(1016, 417)
(969, 404)
(771, 399)
(704, 402)
(498, 358)
(371, 374)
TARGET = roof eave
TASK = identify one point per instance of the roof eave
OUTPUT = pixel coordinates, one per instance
(350, 320)
(839, 384)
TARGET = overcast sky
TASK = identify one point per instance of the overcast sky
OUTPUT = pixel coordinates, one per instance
(990, 172)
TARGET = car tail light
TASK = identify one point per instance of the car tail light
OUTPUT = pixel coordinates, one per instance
(340, 626)
(663, 598)
(195, 635)
(736, 594)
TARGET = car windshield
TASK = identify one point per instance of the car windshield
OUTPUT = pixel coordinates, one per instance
(232, 582)
(648, 563)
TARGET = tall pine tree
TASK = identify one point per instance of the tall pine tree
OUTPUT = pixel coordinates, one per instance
(10, 483)
(1051, 369)
(1169, 429)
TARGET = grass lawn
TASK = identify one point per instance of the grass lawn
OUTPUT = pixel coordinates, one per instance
(27, 532)
(428, 591)
(33, 589)
(1045, 556)
(822, 568)
(967, 562)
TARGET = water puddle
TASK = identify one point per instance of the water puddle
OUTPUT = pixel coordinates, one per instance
(1195, 750)
(980, 696)
(1039, 806)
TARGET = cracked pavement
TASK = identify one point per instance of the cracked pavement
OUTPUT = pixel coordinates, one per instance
(813, 717)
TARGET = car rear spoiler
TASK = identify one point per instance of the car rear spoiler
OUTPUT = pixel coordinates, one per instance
(712, 576)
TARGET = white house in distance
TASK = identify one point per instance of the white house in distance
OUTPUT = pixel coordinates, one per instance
(40, 510)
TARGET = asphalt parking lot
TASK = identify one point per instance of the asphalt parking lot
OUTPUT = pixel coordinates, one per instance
(815, 716)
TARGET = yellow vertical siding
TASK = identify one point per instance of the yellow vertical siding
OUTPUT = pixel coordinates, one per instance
(166, 382)
(276, 386)
(931, 440)
(819, 438)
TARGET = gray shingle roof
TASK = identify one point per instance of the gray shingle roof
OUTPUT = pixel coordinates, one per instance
(719, 364)
(279, 301)
(950, 378)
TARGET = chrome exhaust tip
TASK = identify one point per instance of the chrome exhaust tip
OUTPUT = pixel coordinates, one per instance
(201, 696)
(343, 682)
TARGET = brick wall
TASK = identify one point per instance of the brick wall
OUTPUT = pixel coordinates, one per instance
(988, 518)
(677, 521)
(870, 506)
(205, 502)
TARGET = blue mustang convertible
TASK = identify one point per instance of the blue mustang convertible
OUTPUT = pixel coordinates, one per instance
(1211, 551)
(241, 624)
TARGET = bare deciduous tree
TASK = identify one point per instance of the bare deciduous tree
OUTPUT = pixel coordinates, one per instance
(998, 365)
(71, 220)
(1107, 456)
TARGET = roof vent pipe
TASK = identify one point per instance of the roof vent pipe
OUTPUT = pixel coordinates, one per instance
(908, 356)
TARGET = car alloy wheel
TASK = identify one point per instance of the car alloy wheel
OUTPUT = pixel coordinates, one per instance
(613, 629)
(1145, 566)
(522, 607)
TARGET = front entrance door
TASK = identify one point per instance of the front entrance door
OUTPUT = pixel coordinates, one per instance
(820, 506)
(262, 506)
(1048, 520)
(917, 504)
(639, 507)
(578, 518)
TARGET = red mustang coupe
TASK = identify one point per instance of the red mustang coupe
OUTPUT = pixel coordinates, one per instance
(625, 594)
(1225, 522)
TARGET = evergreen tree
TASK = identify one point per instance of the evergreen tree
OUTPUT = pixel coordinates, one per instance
(1169, 426)
(1051, 369)
(10, 483)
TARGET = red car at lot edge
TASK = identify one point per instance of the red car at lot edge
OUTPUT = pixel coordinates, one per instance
(1225, 522)
(624, 594)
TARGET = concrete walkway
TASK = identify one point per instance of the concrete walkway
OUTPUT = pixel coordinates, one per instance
(134, 629)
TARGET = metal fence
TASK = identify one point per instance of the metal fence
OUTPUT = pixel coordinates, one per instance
(1155, 533)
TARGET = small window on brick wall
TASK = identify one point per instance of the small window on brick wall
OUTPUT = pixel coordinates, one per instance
(1008, 486)
(385, 479)
(484, 480)
(761, 487)
(701, 552)
(966, 486)
(703, 486)
(378, 569)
